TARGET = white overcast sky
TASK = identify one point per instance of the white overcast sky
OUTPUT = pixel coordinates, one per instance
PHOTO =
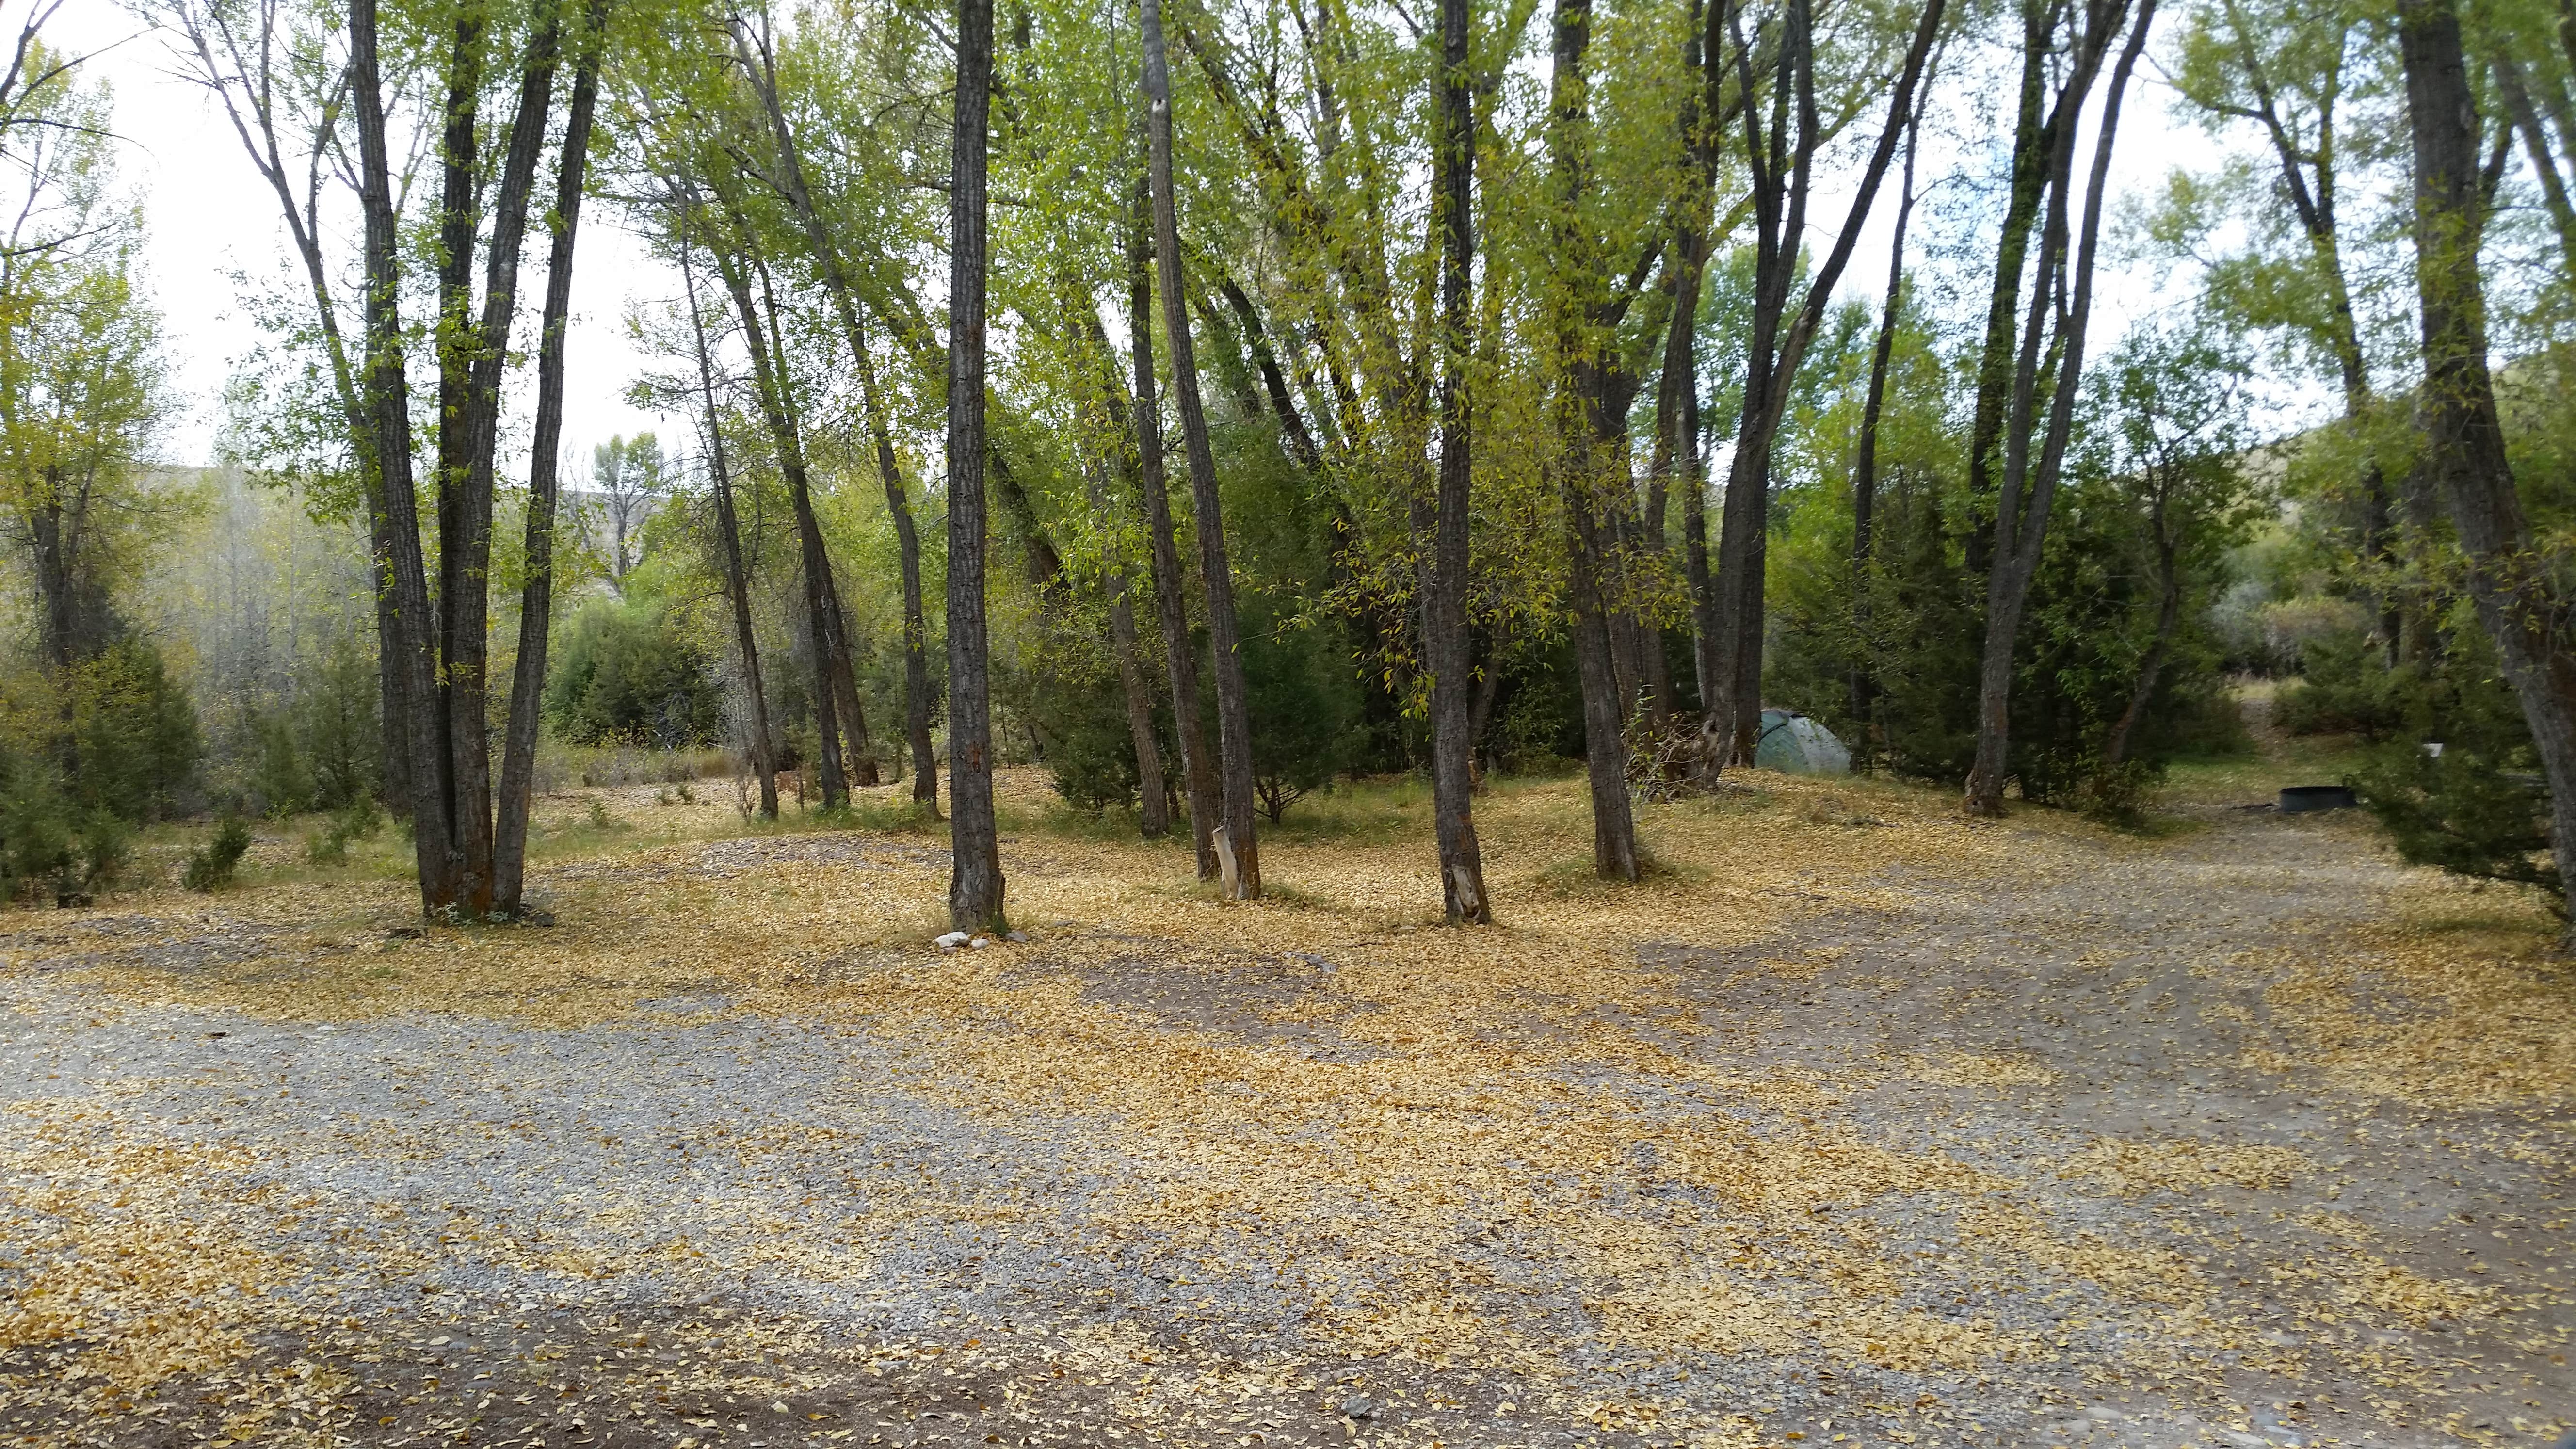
(210, 218)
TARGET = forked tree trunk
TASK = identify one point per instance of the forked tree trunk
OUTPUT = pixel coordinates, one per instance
(388, 405)
(2464, 442)
(1238, 850)
(536, 596)
(1444, 614)
(759, 62)
(788, 440)
(729, 538)
(471, 357)
(1106, 419)
(975, 881)
(2029, 487)
(1575, 460)
(2034, 143)
(858, 757)
(1171, 596)
(1782, 173)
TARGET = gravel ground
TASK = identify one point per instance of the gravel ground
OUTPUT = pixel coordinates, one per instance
(701, 1224)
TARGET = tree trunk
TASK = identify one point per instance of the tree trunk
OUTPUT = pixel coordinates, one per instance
(858, 757)
(536, 603)
(1782, 175)
(2034, 142)
(2525, 118)
(1238, 851)
(389, 410)
(2464, 442)
(1865, 462)
(729, 538)
(471, 357)
(393, 768)
(916, 628)
(2021, 530)
(916, 665)
(1444, 616)
(975, 881)
(777, 410)
(1153, 812)
(1575, 461)
(1706, 665)
(453, 346)
(1198, 764)
(2115, 748)
(1677, 382)
(1293, 432)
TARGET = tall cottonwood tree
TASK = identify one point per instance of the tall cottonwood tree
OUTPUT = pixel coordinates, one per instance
(728, 529)
(435, 662)
(2052, 339)
(536, 602)
(975, 883)
(1171, 594)
(1238, 851)
(757, 52)
(1588, 455)
(2510, 575)
(1781, 156)
(387, 459)
(1444, 613)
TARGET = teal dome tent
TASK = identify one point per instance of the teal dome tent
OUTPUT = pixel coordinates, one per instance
(1796, 745)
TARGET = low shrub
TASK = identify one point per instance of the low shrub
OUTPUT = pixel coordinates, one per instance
(212, 868)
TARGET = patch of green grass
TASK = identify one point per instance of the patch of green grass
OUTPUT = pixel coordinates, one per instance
(2254, 779)
(1060, 820)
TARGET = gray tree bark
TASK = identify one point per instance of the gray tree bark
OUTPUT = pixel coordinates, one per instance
(975, 882)
(1238, 851)
(388, 401)
(536, 595)
(729, 540)
(2064, 290)
(786, 437)
(1171, 590)
(1576, 460)
(2509, 579)
(1444, 614)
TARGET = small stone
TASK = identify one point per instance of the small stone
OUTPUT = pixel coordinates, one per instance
(980, 942)
(1356, 1407)
(951, 941)
(1021, 937)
